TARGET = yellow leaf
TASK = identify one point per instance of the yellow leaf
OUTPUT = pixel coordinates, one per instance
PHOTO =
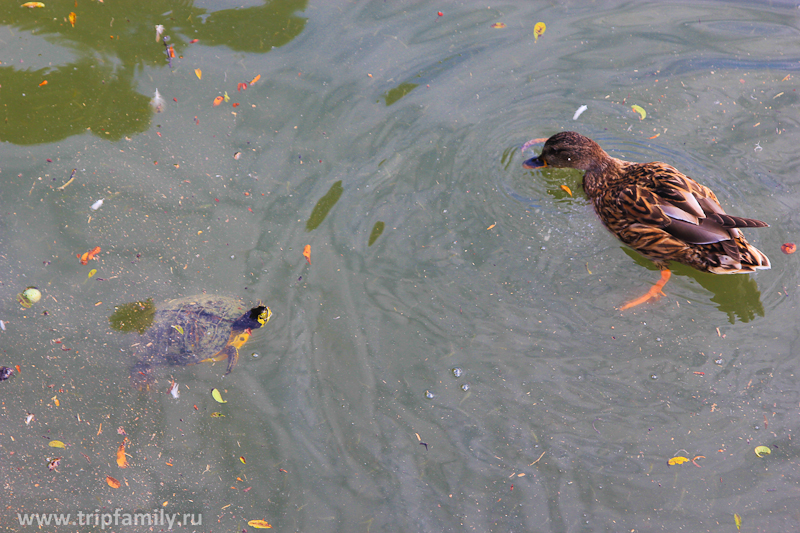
(92, 272)
(498, 25)
(241, 458)
(226, 97)
(259, 524)
(33, 4)
(179, 329)
(72, 18)
(56, 444)
(216, 415)
(566, 189)
(640, 110)
(217, 396)
(737, 520)
(199, 73)
(761, 451)
(538, 30)
(678, 460)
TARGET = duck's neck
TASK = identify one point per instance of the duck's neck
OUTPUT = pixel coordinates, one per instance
(601, 171)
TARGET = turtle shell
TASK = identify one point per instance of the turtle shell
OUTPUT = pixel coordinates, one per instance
(185, 331)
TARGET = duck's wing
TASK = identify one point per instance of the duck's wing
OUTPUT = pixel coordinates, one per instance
(659, 195)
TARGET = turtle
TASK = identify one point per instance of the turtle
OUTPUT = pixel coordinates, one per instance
(186, 331)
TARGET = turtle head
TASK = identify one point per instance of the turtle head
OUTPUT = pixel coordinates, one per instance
(253, 319)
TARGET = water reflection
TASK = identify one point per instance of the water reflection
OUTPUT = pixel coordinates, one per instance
(99, 91)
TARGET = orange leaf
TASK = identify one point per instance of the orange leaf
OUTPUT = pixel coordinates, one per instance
(259, 524)
(218, 100)
(113, 483)
(255, 79)
(566, 189)
(307, 253)
(199, 73)
(122, 460)
(43, 83)
(72, 18)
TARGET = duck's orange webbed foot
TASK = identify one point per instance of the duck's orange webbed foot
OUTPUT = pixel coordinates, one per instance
(654, 293)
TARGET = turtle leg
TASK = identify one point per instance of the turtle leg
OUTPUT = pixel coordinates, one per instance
(142, 376)
(231, 349)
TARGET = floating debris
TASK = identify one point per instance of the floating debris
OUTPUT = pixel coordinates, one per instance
(29, 296)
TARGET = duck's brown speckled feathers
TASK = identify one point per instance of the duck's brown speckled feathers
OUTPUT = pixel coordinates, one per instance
(657, 210)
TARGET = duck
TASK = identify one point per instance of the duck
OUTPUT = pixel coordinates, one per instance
(656, 210)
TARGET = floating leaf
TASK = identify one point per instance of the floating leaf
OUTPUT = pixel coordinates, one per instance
(393, 95)
(241, 458)
(538, 30)
(377, 230)
(761, 451)
(56, 444)
(217, 396)
(226, 97)
(177, 328)
(33, 4)
(198, 73)
(122, 459)
(72, 18)
(218, 100)
(324, 205)
(87, 256)
(217, 415)
(259, 524)
(255, 79)
(43, 83)
(92, 272)
(640, 110)
(113, 483)
(498, 25)
(678, 460)
(566, 189)
(307, 253)
(788, 248)
(737, 520)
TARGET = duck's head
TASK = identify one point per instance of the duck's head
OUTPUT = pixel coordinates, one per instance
(568, 149)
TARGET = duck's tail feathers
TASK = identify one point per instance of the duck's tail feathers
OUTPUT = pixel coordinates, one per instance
(745, 259)
(728, 221)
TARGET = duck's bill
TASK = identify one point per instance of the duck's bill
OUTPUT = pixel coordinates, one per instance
(534, 162)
